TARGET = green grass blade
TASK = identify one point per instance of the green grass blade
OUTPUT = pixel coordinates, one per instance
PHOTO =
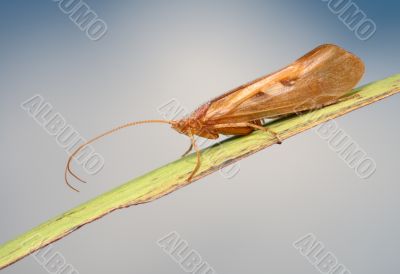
(173, 176)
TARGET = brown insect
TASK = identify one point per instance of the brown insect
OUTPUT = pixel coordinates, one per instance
(323, 75)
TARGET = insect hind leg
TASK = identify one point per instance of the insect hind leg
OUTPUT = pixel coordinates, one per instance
(265, 129)
(243, 125)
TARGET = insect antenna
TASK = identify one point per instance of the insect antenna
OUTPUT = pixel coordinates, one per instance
(130, 124)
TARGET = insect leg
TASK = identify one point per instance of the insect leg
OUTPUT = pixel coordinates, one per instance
(198, 162)
(249, 125)
(279, 140)
(188, 150)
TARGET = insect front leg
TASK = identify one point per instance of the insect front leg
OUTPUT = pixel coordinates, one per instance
(188, 150)
(198, 159)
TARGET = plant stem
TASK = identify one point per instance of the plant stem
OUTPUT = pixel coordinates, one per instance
(173, 176)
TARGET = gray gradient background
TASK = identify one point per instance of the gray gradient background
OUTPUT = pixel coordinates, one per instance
(193, 51)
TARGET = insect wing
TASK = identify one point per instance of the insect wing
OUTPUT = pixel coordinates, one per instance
(318, 78)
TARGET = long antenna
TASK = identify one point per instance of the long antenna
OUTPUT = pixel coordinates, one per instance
(68, 168)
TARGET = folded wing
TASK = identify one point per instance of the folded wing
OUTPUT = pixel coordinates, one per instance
(318, 78)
